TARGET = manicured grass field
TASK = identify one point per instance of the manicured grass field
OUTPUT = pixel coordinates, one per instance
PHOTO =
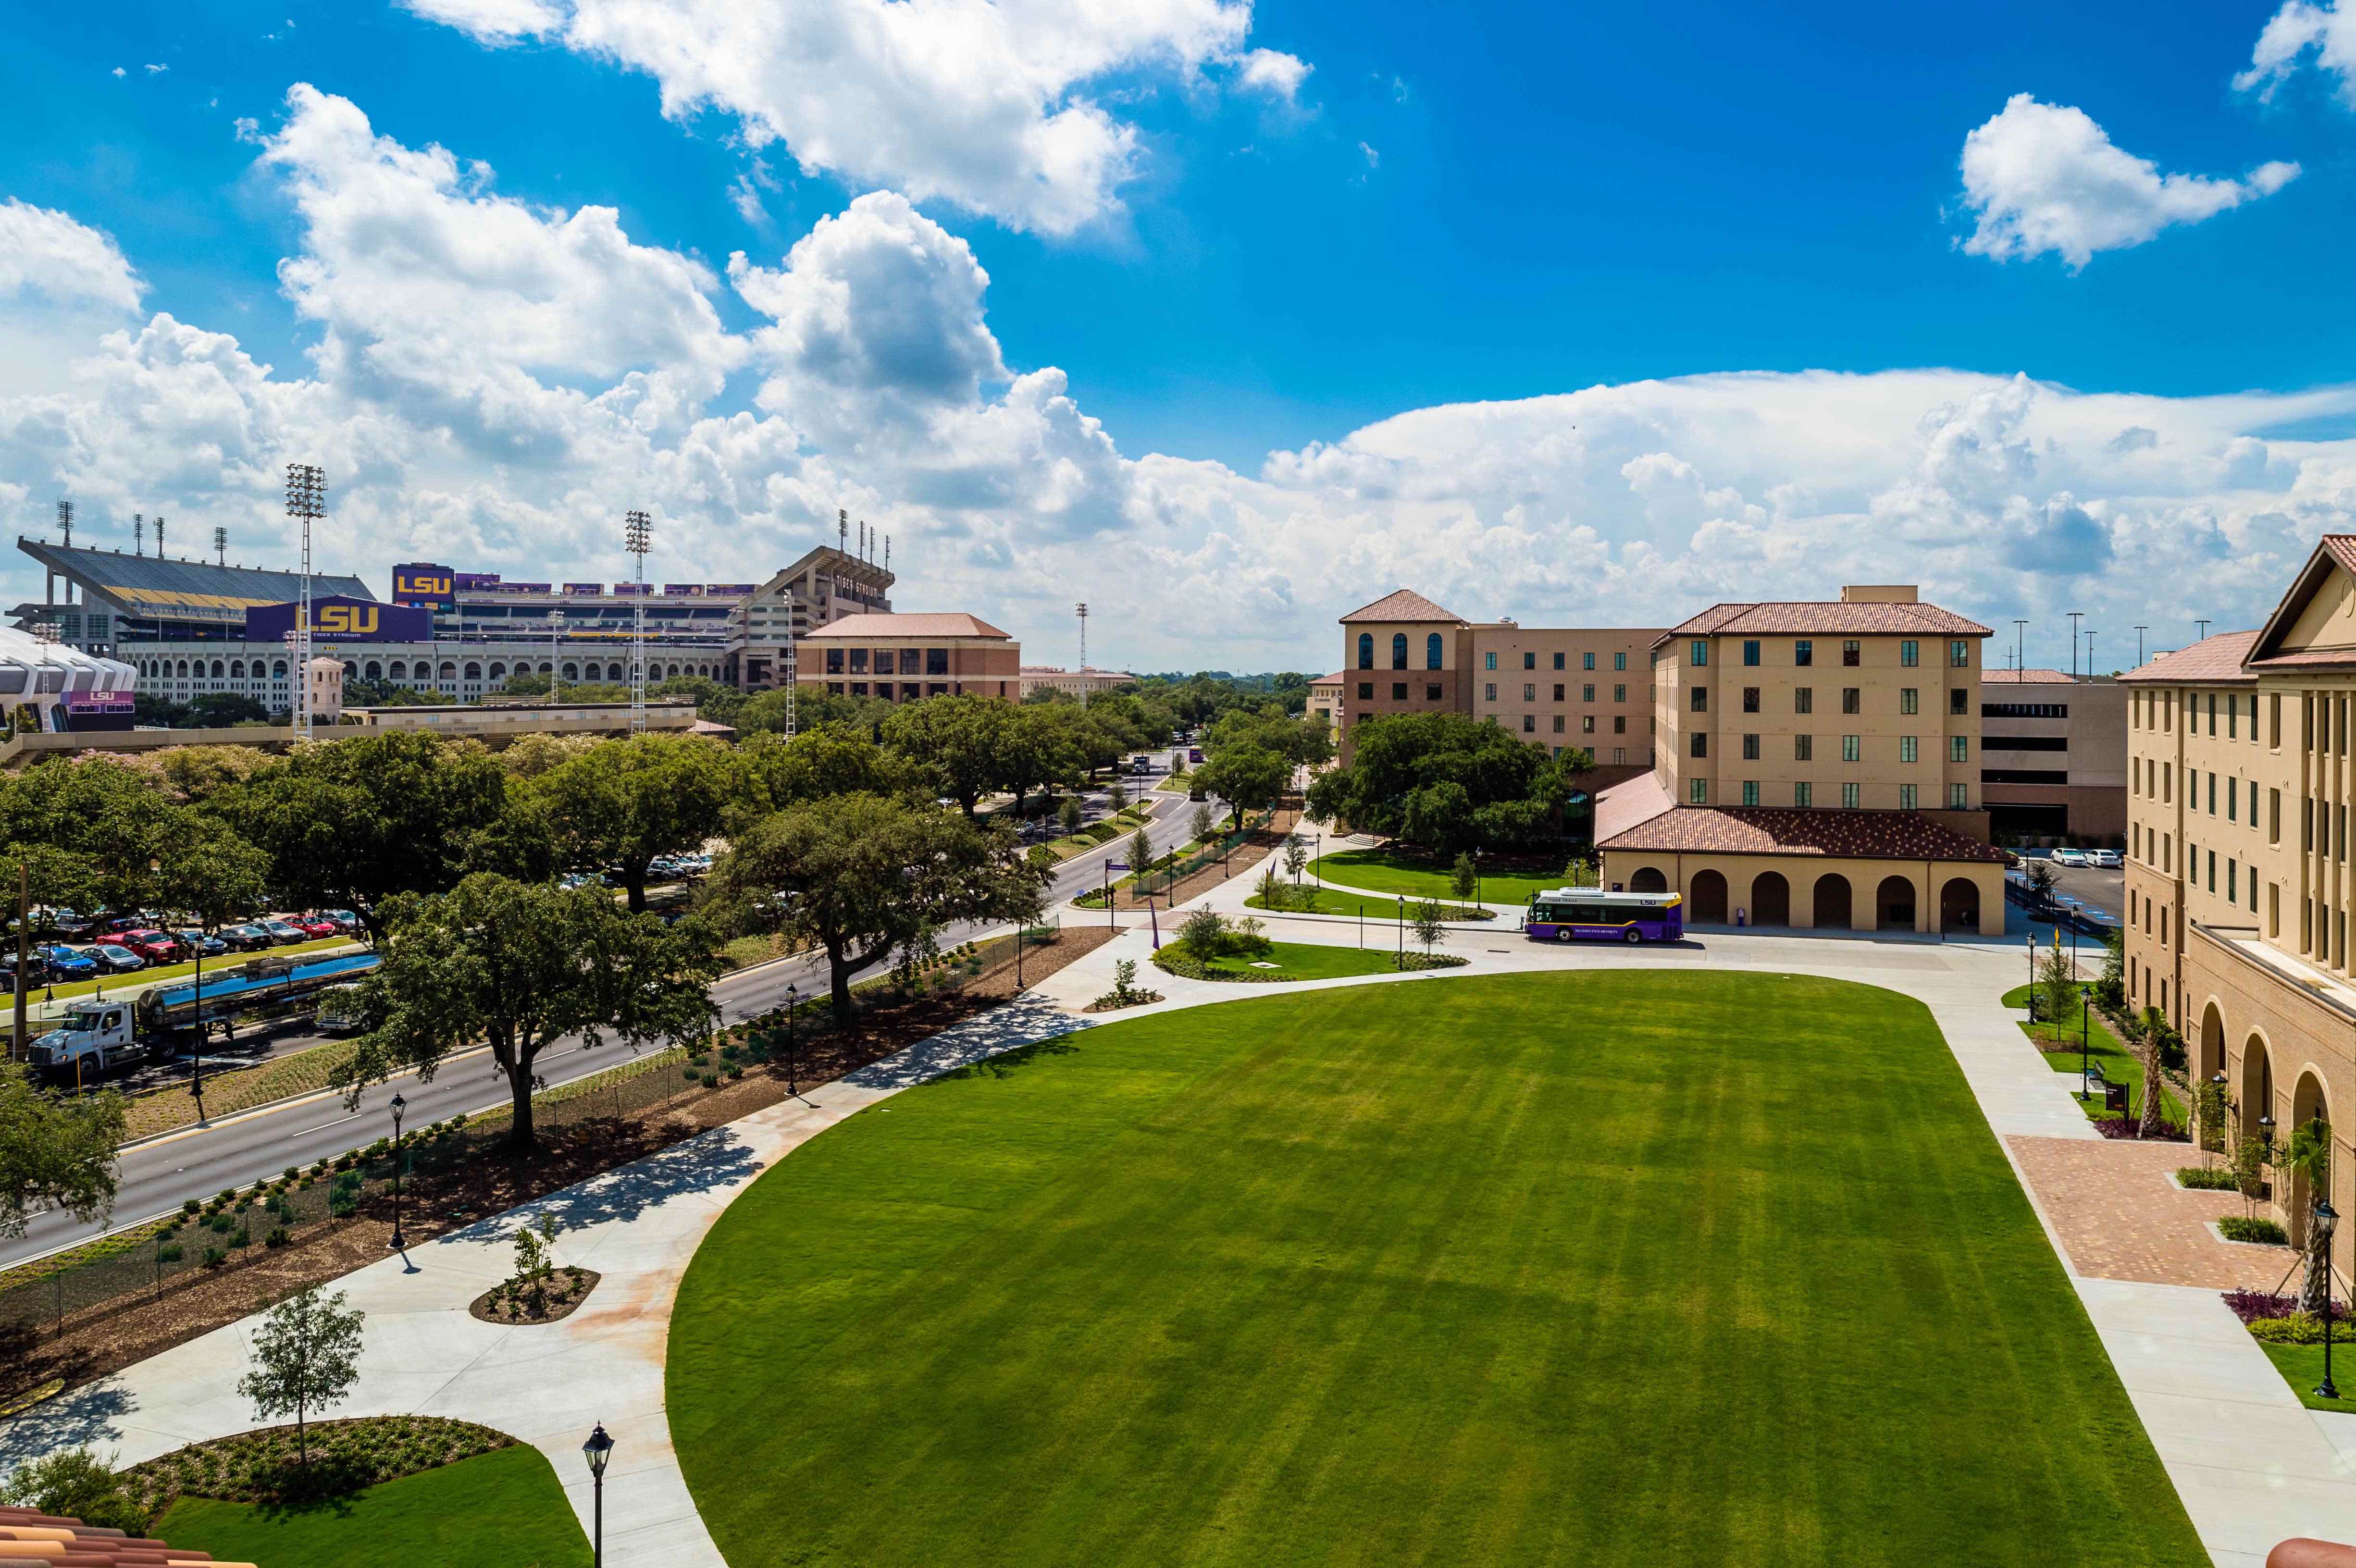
(2302, 1367)
(1314, 961)
(1372, 906)
(1617, 1268)
(502, 1510)
(2119, 1064)
(1377, 870)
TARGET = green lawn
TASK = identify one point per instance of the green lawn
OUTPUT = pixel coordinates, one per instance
(2119, 1064)
(1373, 907)
(1589, 1268)
(1314, 961)
(1381, 872)
(502, 1510)
(2302, 1367)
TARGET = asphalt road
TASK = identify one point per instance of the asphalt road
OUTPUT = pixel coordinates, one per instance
(2093, 887)
(155, 1176)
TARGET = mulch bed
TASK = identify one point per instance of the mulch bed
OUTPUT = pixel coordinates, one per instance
(2125, 1128)
(509, 1303)
(264, 1466)
(104, 1338)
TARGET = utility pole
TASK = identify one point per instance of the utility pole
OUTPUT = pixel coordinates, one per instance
(637, 532)
(1083, 610)
(2139, 632)
(2076, 616)
(306, 501)
(2090, 655)
(23, 957)
(2019, 642)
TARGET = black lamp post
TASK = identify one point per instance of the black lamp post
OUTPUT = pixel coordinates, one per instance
(396, 1244)
(2218, 1084)
(2326, 1219)
(596, 1450)
(2086, 1044)
(792, 997)
(1477, 853)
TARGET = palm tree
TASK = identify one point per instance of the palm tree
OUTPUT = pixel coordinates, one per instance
(2309, 1154)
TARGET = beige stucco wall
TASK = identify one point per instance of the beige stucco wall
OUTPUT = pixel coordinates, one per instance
(1558, 687)
(1802, 873)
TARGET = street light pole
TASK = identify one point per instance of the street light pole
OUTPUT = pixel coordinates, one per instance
(396, 1244)
(597, 1450)
(2326, 1219)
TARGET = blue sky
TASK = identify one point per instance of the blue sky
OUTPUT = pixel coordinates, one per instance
(1474, 206)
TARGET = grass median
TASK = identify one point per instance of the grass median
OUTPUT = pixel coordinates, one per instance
(1383, 871)
(1604, 1268)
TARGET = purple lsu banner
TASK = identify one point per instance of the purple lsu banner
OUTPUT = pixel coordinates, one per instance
(335, 619)
(423, 582)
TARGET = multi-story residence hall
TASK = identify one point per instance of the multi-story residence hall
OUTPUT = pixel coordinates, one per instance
(1554, 687)
(2239, 885)
(1815, 764)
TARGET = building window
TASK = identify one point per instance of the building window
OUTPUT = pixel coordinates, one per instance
(1558, 691)
(1699, 654)
(1852, 749)
(1619, 661)
(1432, 692)
(1365, 650)
(1557, 661)
(1852, 699)
(858, 688)
(1910, 654)
(1701, 699)
(1751, 699)
(1529, 691)
(833, 662)
(1529, 723)
(1804, 652)
(1905, 797)
(2274, 817)
(1803, 699)
(1959, 653)
(1959, 703)
(1488, 661)
(1365, 691)
(1852, 653)
(1803, 793)
(1697, 792)
(1489, 691)
(2232, 887)
(1751, 792)
(1803, 748)
(1398, 650)
(1586, 692)
(1558, 723)
(1909, 699)
(1850, 796)
(936, 661)
(1698, 743)
(1959, 797)
(1586, 723)
(1399, 691)
(1431, 652)
(1619, 724)
(858, 663)
(1619, 693)
(1751, 652)
(1586, 661)
(1906, 749)
(1751, 749)
(1959, 747)
(1529, 661)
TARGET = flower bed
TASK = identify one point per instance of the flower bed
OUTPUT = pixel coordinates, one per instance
(2126, 1127)
(346, 1456)
(513, 1302)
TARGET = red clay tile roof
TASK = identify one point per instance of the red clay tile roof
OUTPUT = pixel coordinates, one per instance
(859, 628)
(1404, 605)
(1825, 617)
(1336, 678)
(1781, 831)
(2208, 662)
(39, 1538)
(2341, 548)
(1629, 803)
(2032, 676)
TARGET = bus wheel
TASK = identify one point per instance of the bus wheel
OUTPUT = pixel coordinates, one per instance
(1635, 937)
(1566, 934)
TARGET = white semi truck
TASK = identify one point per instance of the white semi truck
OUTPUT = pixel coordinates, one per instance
(98, 1036)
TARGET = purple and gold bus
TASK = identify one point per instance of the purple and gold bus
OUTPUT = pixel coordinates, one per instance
(1591, 915)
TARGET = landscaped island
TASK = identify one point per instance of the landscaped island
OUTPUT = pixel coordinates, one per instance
(1608, 1268)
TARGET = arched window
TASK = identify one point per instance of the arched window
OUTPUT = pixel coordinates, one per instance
(217, 669)
(237, 668)
(571, 673)
(1431, 650)
(184, 669)
(1398, 650)
(449, 670)
(499, 672)
(351, 672)
(1365, 650)
(400, 670)
(375, 670)
(474, 671)
(543, 667)
(279, 669)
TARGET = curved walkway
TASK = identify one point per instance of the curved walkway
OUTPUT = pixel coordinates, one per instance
(2290, 1472)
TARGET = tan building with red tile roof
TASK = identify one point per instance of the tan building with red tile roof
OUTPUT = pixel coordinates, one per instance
(902, 658)
(1815, 764)
(2242, 781)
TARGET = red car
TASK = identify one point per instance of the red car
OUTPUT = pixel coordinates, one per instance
(155, 946)
(311, 925)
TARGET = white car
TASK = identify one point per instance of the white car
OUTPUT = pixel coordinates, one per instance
(2108, 859)
(2069, 857)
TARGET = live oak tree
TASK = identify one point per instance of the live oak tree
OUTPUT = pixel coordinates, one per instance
(521, 966)
(830, 759)
(306, 1355)
(862, 874)
(55, 1152)
(622, 802)
(1244, 776)
(957, 741)
(357, 823)
(1038, 748)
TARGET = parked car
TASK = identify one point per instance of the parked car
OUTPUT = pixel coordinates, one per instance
(37, 969)
(194, 940)
(312, 926)
(68, 964)
(343, 920)
(244, 938)
(113, 959)
(2108, 859)
(115, 925)
(155, 946)
(64, 922)
(281, 932)
(2069, 857)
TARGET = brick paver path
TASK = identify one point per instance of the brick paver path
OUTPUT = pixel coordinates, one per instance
(2119, 1217)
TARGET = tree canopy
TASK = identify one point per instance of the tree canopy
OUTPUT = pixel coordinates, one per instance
(55, 1153)
(623, 802)
(1448, 782)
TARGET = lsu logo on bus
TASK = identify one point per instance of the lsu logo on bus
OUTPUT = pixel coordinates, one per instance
(423, 582)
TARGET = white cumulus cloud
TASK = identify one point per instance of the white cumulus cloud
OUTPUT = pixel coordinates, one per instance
(1274, 73)
(2328, 30)
(2044, 176)
(983, 103)
(50, 253)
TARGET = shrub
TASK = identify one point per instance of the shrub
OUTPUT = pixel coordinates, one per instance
(2249, 1306)
(2207, 1179)
(735, 1069)
(279, 1236)
(225, 1197)
(240, 1237)
(2298, 1327)
(76, 1484)
(2266, 1233)
(215, 1257)
(292, 1172)
(191, 1208)
(170, 1255)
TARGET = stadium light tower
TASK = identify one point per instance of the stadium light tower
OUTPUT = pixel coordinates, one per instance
(306, 500)
(556, 629)
(159, 536)
(638, 537)
(65, 528)
(139, 533)
(220, 547)
(1082, 610)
